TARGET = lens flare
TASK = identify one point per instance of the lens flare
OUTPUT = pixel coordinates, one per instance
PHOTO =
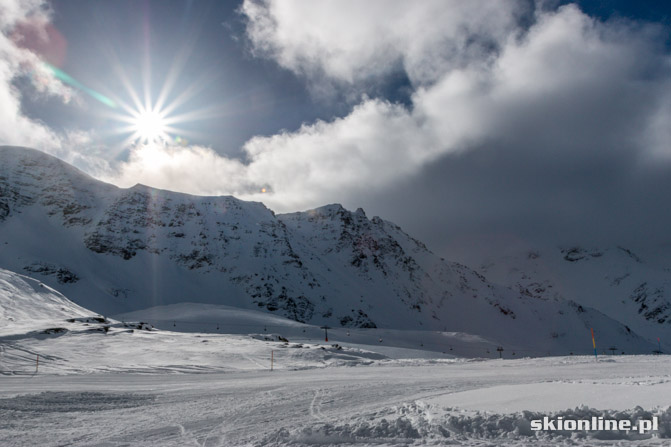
(69, 80)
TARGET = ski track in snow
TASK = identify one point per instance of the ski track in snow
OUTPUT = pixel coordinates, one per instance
(315, 406)
(411, 403)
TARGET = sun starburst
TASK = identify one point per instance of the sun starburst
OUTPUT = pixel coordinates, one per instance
(149, 126)
(163, 119)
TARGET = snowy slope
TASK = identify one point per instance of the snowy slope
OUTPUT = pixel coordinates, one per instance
(211, 389)
(485, 403)
(209, 318)
(26, 304)
(41, 330)
(117, 250)
(630, 284)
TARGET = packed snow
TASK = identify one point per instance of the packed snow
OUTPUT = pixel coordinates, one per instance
(72, 377)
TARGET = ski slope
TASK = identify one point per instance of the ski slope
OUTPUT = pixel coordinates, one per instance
(396, 402)
(208, 318)
(106, 382)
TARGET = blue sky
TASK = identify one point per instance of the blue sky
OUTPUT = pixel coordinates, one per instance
(252, 95)
(248, 92)
(479, 121)
(255, 95)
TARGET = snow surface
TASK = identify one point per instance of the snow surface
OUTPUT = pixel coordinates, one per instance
(131, 384)
(394, 403)
(198, 288)
(26, 303)
(208, 318)
(115, 251)
(632, 284)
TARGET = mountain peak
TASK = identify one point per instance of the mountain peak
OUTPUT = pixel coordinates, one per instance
(27, 164)
(332, 210)
(328, 210)
(117, 250)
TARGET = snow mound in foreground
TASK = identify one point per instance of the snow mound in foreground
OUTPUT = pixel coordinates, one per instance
(418, 424)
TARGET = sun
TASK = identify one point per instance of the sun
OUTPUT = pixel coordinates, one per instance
(150, 126)
(156, 120)
(146, 124)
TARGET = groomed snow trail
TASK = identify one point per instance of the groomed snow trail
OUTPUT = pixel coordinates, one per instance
(389, 403)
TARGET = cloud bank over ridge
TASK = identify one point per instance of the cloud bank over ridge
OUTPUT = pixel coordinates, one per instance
(567, 84)
(519, 115)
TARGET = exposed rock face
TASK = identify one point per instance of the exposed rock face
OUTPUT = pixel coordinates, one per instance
(653, 303)
(62, 274)
(116, 250)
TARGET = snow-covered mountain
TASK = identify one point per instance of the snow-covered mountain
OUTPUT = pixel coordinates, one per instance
(42, 331)
(116, 250)
(630, 284)
(27, 302)
(63, 366)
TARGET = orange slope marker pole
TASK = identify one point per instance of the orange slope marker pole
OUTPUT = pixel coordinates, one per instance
(594, 343)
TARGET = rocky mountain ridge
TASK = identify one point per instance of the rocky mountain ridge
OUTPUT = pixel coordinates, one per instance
(116, 250)
(632, 285)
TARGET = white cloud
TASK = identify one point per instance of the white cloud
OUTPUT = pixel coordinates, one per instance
(351, 40)
(190, 169)
(16, 11)
(658, 134)
(569, 82)
(17, 61)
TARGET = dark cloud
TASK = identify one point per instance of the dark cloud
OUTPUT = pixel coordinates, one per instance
(473, 125)
(554, 136)
(553, 143)
(464, 205)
